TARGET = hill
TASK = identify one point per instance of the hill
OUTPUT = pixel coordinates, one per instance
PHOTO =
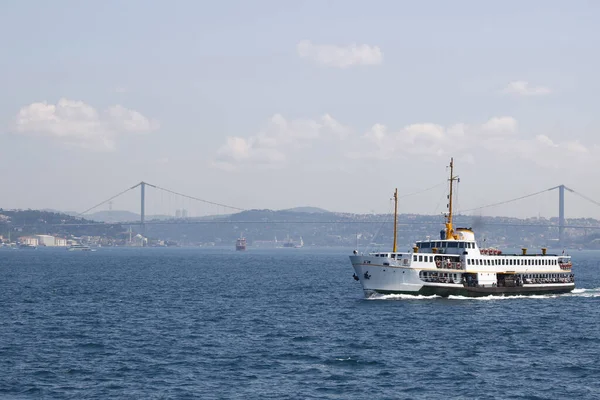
(30, 222)
(307, 210)
(113, 216)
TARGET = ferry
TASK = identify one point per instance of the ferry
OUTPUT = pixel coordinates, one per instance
(289, 243)
(79, 247)
(240, 244)
(455, 265)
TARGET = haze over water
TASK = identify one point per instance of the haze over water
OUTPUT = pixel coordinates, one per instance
(280, 323)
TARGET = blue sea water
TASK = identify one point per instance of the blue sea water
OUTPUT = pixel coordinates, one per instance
(277, 324)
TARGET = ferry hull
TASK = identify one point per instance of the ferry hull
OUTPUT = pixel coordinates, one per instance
(389, 279)
(477, 291)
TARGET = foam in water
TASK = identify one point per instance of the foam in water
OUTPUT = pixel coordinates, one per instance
(491, 297)
(582, 292)
(378, 296)
(595, 292)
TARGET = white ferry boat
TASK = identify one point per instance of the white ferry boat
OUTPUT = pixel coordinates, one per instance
(79, 247)
(455, 265)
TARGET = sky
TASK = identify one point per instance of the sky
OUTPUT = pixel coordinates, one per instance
(276, 104)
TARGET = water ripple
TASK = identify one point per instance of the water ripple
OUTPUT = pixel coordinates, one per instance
(178, 324)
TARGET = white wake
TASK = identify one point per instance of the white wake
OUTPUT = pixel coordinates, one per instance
(580, 292)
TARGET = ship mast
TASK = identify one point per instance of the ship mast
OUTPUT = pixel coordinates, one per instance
(395, 218)
(449, 228)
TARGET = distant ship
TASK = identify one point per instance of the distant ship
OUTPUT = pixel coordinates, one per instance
(455, 265)
(27, 246)
(79, 247)
(289, 243)
(240, 244)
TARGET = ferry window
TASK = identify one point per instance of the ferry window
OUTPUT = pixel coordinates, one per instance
(430, 258)
(420, 258)
(426, 245)
(503, 262)
(461, 245)
(414, 258)
(452, 244)
(444, 244)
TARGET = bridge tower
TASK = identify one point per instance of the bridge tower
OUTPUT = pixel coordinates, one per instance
(561, 214)
(143, 206)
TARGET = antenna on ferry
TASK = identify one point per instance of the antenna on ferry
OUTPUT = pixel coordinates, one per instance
(395, 218)
(449, 227)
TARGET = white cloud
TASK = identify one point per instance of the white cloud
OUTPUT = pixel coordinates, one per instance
(543, 139)
(340, 56)
(500, 126)
(78, 124)
(523, 88)
(576, 147)
(279, 139)
(285, 140)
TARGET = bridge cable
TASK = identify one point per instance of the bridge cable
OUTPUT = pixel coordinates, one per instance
(421, 191)
(586, 198)
(504, 202)
(198, 199)
(105, 201)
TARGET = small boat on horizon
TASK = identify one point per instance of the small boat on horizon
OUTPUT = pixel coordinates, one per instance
(289, 243)
(79, 247)
(240, 244)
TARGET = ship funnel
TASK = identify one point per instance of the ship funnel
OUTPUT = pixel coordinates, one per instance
(524, 250)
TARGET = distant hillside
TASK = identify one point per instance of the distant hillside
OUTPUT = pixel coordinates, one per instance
(307, 210)
(27, 222)
(121, 216)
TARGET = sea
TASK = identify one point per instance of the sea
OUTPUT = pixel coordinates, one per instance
(213, 323)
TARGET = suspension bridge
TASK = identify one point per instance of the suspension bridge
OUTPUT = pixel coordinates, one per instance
(231, 209)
